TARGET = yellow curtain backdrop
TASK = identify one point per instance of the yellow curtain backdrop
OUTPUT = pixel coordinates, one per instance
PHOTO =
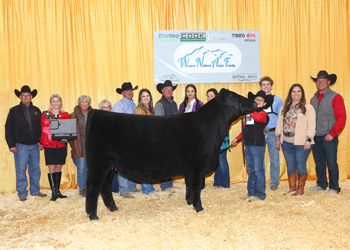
(76, 47)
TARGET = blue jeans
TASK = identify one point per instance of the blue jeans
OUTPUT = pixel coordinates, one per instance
(27, 155)
(147, 187)
(296, 158)
(81, 171)
(165, 184)
(255, 156)
(274, 153)
(326, 151)
(222, 173)
(115, 183)
(125, 185)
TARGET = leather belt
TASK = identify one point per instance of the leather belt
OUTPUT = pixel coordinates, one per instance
(289, 134)
(266, 130)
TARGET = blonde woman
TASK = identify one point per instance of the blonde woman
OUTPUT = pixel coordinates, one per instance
(55, 151)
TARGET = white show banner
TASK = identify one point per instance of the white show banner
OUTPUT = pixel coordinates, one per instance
(206, 56)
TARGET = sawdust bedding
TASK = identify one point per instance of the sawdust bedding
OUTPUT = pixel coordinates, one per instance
(163, 220)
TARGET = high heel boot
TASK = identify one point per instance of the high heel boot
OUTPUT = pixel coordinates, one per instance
(52, 182)
(58, 182)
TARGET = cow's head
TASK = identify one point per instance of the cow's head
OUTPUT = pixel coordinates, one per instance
(241, 104)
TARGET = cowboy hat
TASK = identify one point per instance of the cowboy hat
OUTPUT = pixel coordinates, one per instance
(268, 98)
(26, 89)
(167, 83)
(126, 86)
(324, 74)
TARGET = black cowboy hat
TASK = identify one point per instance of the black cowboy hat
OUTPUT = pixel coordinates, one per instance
(126, 86)
(268, 98)
(167, 83)
(26, 89)
(324, 74)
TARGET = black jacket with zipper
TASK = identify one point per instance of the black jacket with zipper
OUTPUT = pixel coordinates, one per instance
(17, 128)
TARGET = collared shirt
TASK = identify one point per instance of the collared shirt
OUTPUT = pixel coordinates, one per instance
(159, 108)
(27, 113)
(273, 117)
(125, 106)
(339, 113)
(189, 106)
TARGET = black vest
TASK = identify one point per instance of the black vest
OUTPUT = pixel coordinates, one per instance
(170, 107)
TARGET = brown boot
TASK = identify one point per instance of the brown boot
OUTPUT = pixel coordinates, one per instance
(301, 185)
(292, 183)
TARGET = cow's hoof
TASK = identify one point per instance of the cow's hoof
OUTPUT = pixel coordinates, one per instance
(113, 209)
(93, 217)
(189, 202)
(199, 209)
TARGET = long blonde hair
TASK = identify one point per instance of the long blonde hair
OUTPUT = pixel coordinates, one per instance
(59, 98)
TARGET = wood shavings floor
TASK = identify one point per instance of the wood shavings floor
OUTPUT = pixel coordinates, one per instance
(315, 220)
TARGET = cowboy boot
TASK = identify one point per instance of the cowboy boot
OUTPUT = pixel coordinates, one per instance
(301, 185)
(292, 183)
(53, 186)
(58, 182)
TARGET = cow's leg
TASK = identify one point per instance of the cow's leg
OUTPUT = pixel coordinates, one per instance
(196, 187)
(95, 178)
(189, 198)
(106, 192)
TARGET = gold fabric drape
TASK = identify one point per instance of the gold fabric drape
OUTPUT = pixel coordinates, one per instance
(76, 47)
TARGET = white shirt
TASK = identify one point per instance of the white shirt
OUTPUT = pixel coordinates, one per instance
(189, 106)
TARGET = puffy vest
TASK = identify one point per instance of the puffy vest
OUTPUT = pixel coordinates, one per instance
(325, 119)
(169, 108)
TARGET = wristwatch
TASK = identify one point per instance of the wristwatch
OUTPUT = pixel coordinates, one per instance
(309, 140)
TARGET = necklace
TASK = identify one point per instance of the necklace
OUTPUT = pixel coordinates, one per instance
(294, 109)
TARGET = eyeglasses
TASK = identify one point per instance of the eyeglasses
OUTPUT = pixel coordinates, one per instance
(106, 107)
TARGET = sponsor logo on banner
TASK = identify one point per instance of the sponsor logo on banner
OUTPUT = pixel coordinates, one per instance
(170, 77)
(237, 35)
(168, 37)
(208, 58)
(245, 77)
(220, 36)
(250, 38)
(193, 37)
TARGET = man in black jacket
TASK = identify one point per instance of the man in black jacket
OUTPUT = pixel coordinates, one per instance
(22, 133)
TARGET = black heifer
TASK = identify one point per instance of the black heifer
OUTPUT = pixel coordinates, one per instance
(158, 147)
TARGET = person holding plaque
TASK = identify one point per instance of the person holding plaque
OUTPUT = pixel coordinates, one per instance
(55, 151)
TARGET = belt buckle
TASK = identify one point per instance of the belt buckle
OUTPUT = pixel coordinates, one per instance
(266, 130)
(289, 134)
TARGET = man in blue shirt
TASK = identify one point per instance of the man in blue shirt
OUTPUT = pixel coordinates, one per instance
(126, 106)
(266, 84)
